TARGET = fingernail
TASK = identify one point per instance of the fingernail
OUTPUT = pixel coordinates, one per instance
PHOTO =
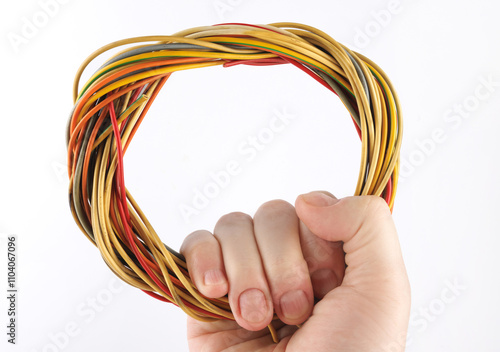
(214, 277)
(323, 281)
(318, 199)
(294, 304)
(253, 306)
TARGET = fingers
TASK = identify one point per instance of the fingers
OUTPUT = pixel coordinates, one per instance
(204, 261)
(264, 263)
(325, 261)
(249, 295)
(277, 233)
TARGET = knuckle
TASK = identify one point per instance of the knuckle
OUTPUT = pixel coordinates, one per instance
(373, 210)
(195, 240)
(275, 208)
(327, 193)
(233, 218)
(375, 207)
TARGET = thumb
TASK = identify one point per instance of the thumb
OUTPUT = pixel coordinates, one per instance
(363, 223)
(374, 298)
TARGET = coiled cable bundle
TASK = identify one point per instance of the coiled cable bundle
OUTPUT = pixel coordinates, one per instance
(111, 105)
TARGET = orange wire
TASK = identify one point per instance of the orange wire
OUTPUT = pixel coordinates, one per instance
(75, 127)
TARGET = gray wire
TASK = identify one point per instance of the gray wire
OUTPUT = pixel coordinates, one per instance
(335, 86)
(151, 48)
(138, 51)
(76, 194)
(360, 75)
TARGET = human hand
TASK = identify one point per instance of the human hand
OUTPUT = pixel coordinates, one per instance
(285, 258)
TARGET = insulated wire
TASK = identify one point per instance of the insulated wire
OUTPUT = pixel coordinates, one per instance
(110, 106)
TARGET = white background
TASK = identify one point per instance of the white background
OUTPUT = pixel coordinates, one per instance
(438, 55)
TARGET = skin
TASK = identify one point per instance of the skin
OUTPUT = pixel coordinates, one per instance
(334, 266)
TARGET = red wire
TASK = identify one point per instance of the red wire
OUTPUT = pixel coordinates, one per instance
(123, 210)
(136, 95)
(199, 310)
(293, 62)
(388, 191)
(150, 101)
(120, 180)
(122, 204)
(256, 62)
(317, 78)
(283, 60)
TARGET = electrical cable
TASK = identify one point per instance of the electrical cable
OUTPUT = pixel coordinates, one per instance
(111, 105)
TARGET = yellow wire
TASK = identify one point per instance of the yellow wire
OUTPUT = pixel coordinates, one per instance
(380, 123)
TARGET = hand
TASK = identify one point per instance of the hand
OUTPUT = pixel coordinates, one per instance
(287, 257)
